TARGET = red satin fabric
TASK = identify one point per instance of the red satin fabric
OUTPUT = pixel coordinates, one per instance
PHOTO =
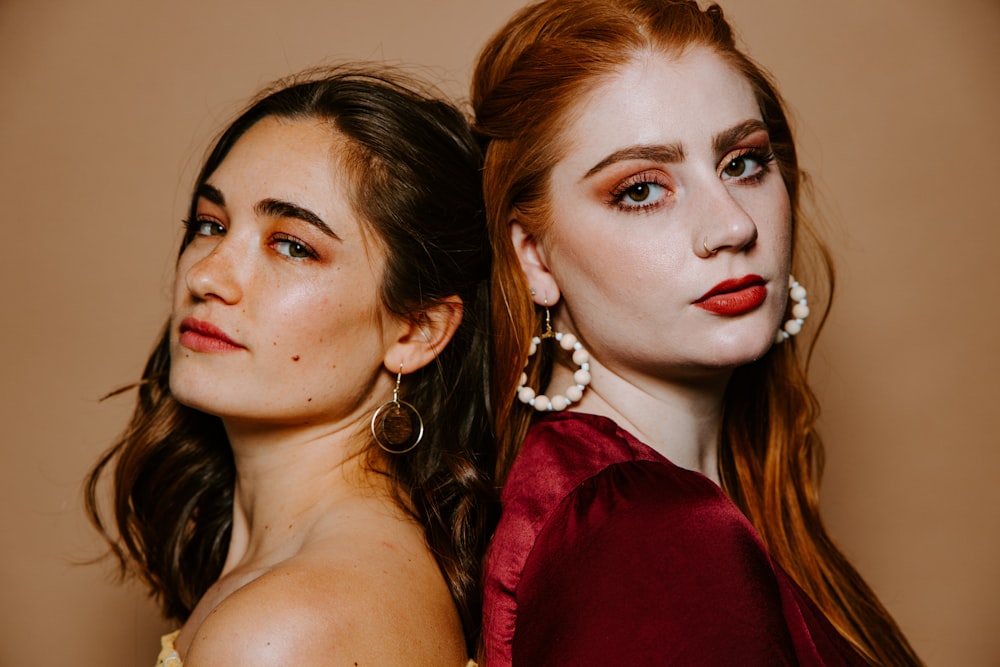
(608, 554)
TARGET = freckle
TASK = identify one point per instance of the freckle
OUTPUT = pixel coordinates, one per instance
(309, 400)
(275, 343)
(290, 525)
(295, 358)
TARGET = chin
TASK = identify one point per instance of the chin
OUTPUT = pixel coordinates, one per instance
(192, 393)
(744, 348)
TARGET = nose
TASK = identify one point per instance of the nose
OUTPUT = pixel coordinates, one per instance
(726, 225)
(213, 275)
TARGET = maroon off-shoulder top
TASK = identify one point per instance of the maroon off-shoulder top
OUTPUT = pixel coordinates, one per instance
(609, 554)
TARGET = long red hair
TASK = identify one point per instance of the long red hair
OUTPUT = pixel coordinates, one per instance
(527, 79)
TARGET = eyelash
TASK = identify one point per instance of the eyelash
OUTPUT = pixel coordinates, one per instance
(763, 158)
(193, 228)
(281, 237)
(647, 178)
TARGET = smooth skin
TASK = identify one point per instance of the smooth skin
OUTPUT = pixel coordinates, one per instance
(323, 568)
(666, 188)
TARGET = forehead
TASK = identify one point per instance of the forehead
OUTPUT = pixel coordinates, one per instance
(300, 149)
(659, 98)
(305, 162)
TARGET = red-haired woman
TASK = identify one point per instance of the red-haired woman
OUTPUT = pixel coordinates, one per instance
(661, 466)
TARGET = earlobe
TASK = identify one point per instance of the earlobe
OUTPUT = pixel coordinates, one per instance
(424, 336)
(544, 289)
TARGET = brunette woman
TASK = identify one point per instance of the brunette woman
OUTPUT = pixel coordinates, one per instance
(306, 477)
(659, 449)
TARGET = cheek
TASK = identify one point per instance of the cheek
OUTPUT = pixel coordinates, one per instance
(582, 249)
(305, 321)
(320, 328)
(783, 233)
(771, 212)
(779, 210)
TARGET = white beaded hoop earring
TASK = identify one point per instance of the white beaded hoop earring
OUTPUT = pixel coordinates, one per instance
(800, 311)
(395, 423)
(581, 377)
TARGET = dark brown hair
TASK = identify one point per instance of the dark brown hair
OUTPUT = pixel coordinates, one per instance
(526, 83)
(414, 179)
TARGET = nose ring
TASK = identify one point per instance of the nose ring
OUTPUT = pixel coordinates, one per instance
(708, 251)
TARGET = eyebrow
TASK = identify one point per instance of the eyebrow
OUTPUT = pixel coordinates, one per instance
(211, 193)
(275, 208)
(278, 208)
(724, 140)
(656, 153)
(669, 153)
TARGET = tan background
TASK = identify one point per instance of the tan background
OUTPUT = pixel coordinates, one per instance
(107, 105)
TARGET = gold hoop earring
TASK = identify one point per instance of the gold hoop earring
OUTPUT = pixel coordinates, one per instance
(395, 422)
(581, 377)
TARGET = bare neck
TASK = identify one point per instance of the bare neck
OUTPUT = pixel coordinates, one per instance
(290, 485)
(681, 419)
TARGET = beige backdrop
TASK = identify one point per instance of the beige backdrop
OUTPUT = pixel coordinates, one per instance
(107, 105)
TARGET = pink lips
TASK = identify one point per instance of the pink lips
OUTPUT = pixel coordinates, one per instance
(206, 337)
(734, 297)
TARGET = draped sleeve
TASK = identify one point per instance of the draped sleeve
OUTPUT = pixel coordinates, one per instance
(618, 557)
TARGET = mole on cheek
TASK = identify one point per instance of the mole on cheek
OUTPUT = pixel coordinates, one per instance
(295, 358)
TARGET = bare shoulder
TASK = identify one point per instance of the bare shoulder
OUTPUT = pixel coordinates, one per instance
(367, 597)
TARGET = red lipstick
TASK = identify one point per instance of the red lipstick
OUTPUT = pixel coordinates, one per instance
(735, 296)
(206, 337)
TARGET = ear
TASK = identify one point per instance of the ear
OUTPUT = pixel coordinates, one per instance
(531, 255)
(421, 339)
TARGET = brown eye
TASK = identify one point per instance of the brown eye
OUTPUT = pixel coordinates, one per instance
(747, 167)
(638, 192)
(737, 167)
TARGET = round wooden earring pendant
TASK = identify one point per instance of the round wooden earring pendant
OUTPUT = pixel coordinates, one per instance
(397, 427)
